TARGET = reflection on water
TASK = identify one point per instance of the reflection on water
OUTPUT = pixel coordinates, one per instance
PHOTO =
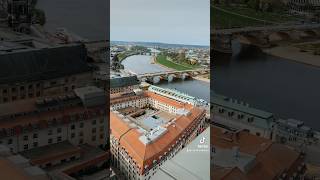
(85, 18)
(141, 64)
(286, 88)
(195, 88)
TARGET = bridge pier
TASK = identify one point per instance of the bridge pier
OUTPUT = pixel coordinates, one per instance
(184, 76)
(170, 77)
(156, 79)
(222, 43)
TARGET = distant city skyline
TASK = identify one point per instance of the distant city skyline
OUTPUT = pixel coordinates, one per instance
(166, 21)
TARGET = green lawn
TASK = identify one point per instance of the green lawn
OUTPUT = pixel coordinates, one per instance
(161, 59)
(221, 19)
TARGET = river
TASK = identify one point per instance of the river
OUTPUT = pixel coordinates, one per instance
(286, 88)
(140, 64)
(88, 19)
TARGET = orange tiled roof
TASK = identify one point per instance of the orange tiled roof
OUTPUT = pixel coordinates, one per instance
(145, 154)
(42, 116)
(11, 171)
(272, 159)
(168, 101)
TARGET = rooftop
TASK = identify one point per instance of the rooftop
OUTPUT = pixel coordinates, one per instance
(42, 64)
(15, 167)
(26, 114)
(144, 145)
(271, 159)
(172, 93)
(118, 82)
(179, 167)
(45, 154)
(228, 103)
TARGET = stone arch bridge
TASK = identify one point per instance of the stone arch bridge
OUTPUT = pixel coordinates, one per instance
(262, 37)
(169, 76)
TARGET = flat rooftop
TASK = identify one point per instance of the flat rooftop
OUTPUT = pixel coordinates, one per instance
(228, 103)
(50, 152)
(179, 167)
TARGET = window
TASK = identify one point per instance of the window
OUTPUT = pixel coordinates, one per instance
(72, 126)
(35, 144)
(25, 138)
(80, 141)
(49, 141)
(5, 99)
(30, 95)
(101, 136)
(93, 138)
(94, 122)
(66, 89)
(14, 98)
(13, 89)
(21, 88)
(22, 96)
(80, 134)
(72, 135)
(81, 125)
(4, 91)
(258, 134)
(38, 94)
(94, 130)
(25, 147)
(59, 139)
(73, 87)
(9, 141)
(30, 86)
(101, 129)
(50, 132)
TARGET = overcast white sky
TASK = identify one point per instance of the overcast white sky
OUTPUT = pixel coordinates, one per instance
(167, 21)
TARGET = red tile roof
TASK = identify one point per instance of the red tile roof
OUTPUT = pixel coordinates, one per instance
(145, 154)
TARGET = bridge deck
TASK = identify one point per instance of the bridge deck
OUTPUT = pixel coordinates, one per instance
(264, 28)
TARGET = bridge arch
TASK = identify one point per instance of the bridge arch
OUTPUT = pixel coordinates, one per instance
(309, 33)
(279, 36)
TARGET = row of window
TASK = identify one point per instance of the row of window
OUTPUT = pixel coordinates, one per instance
(22, 88)
(22, 96)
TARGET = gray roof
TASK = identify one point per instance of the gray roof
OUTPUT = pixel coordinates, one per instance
(191, 163)
(42, 64)
(124, 81)
(240, 107)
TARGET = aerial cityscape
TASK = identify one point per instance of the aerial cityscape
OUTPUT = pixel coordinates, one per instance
(264, 120)
(53, 117)
(159, 94)
(159, 90)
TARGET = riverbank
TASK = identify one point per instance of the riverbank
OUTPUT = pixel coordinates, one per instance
(200, 78)
(170, 64)
(165, 67)
(293, 53)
